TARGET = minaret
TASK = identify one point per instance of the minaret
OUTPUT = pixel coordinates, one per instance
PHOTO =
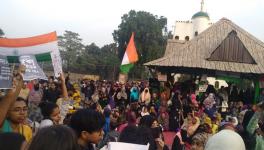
(200, 20)
(202, 5)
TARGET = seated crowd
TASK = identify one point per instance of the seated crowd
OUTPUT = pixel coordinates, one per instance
(88, 115)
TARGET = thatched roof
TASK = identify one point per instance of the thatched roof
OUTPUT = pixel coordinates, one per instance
(224, 39)
(172, 45)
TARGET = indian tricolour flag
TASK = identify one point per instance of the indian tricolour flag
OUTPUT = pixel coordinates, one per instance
(43, 47)
(130, 56)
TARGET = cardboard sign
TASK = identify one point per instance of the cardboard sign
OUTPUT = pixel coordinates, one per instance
(5, 74)
(33, 71)
(126, 146)
(56, 62)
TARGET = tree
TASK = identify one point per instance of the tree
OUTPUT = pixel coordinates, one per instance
(89, 59)
(1, 33)
(102, 61)
(110, 58)
(150, 36)
(71, 48)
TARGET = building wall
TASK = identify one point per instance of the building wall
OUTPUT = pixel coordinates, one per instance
(188, 28)
(183, 29)
(200, 24)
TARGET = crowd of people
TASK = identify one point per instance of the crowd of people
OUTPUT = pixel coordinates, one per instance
(60, 114)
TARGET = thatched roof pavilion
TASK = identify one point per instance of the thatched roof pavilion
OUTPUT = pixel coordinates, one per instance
(222, 48)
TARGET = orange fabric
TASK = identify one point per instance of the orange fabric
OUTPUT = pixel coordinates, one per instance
(31, 41)
(131, 50)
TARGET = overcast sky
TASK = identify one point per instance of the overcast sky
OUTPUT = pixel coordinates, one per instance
(95, 20)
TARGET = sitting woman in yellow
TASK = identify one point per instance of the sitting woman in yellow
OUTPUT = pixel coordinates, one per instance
(15, 119)
(75, 99)
(76, 96)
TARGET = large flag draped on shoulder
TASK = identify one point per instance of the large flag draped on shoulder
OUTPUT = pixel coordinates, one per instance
(43, 47)
(130, 56)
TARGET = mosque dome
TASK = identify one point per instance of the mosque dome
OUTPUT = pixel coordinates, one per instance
(201, 14)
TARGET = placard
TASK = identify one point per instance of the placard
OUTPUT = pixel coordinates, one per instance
(5, 74)
(126, 146)
(33, 71)
(56, 62)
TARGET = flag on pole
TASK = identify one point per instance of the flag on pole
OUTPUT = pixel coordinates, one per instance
(130, 56)
(43, 47)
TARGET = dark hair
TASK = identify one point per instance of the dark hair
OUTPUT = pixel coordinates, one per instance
(54, 138)
(67, 119)
(147, 121)
(156, 132)
(184, 135)
(204, 128)
(261, 105)
(20, 99)
(47, 109)
(131, 117)
(137, 135)
(11, 141)
(87, 120)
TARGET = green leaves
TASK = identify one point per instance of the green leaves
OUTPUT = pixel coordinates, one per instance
(89, 59)
(150, 35)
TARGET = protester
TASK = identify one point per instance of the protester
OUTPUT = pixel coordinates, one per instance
(12, 141)
(51, 114)
(256, 126)
(145, 97)
(109, 107)
(201, 136)
(15, 119)
(227, 140)
(138, 135)
(180, 140)
(176, 112)
(88, 126)
(52, 94)
(12, 94)
(54, 138)
(24, 92)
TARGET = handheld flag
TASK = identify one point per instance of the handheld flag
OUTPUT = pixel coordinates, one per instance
(130, 56)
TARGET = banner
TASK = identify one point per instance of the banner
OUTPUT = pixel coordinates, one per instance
(33, 71)
(5, 74)
(44, 47)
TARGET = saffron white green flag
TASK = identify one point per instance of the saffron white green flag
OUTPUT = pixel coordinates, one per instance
(130, 56)
(43, 47)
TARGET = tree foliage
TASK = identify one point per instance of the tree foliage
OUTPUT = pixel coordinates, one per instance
(71, 48)
(150, 36)
(90, 59)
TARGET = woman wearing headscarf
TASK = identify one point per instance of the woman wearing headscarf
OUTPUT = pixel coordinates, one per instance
(145, 97)
(175, 114)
